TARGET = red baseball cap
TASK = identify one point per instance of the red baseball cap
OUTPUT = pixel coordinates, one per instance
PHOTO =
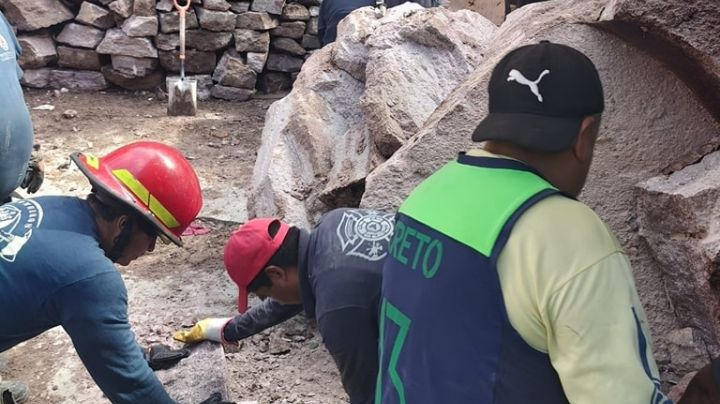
(248, 251)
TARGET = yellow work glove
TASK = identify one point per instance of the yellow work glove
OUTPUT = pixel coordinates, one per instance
(207, 329)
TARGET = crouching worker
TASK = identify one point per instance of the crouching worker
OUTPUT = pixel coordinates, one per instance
(333, 273)
(57, 255)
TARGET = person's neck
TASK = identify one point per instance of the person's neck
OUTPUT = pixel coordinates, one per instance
(552, 167)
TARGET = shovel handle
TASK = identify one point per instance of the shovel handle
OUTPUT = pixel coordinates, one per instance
(180, 8)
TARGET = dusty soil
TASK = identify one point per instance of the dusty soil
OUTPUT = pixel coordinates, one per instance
(172, 287)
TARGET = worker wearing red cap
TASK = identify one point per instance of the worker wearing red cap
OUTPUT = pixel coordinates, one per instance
(333, 273)
(57, 255)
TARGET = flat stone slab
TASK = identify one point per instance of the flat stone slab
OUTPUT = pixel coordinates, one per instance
(198, 376)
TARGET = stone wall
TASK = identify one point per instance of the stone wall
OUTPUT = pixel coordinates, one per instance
(234, 48)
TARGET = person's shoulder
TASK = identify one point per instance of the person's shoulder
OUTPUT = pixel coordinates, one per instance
(565, 224)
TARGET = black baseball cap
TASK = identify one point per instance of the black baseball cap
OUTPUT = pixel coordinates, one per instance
(538, 97)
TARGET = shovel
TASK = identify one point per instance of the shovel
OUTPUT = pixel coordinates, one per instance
(182, 92)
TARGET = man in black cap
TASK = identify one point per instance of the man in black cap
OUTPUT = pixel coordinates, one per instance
(499, 286)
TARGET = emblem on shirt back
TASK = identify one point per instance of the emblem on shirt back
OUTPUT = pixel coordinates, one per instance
(4, 43)
(17, 221)
(365, 233)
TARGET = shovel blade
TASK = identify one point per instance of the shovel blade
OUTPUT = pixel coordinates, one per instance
(182, 97)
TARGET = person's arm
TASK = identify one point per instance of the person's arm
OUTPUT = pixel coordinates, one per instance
(351, 336)
(598, 339)
(258, 318)
(322, 21)
(94, 314)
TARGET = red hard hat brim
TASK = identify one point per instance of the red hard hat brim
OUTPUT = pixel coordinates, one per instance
(102, 178)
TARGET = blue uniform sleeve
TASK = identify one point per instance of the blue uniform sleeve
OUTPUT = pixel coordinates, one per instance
(351, 336)
(259, 318)
(93, 312)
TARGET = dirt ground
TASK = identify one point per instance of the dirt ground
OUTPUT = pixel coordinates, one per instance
(172, 287)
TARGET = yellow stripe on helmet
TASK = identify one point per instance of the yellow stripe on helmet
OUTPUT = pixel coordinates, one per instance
(92, 161)
(144, 195)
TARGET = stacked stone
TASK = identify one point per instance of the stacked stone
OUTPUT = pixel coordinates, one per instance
(233, 47)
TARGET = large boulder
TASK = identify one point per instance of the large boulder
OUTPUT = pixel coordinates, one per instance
(318, 143)
(677, 218)
(31, 15)
(652, 116)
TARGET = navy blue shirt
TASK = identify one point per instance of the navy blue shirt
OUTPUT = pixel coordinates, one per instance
(340, 264)
(16, 132)
(53, 272)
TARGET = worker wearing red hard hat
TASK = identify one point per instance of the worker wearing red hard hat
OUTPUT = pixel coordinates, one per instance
(57, 255)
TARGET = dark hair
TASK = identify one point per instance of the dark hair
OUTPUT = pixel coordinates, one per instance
(106, 210)
(286, 256)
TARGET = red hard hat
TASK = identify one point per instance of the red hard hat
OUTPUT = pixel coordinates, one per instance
(152, 178)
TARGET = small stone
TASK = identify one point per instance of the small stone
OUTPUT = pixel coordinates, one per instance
(38, 51)
(239, 7)
(312, 26)
(288, 46)
(311, 42)
(164, 5)
(167, 42)
(293, 29)
(216, 20)
(259, 21)
(170, 22)
(256, 61)
(314, 11)
(217, 5)
(77, 58)
(137, 67)
(123, 8)
(273, 82)
(139, 26)
(208, 40)
(270, 6)
(144, 8)
(295, 12)
(251, 41)
(69, 114)
(283, 63)
(195, 61)
(36, 78)
(116, 42)
(80, 36)
(91, 14)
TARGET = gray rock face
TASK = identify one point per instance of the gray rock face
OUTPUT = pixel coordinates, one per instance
(273, 82)
(208, 40)
(251, 41)
(170, 22)
(195, 61)
(123, 8)
(144, 8)
(312, 26)
(283, 63)
(117, 43)
(38, 51)
(137, 67)
(232, 93)
(216, 20)
(259, 21)
(239, 7)
(293, 29)
(232, 72)
(319, 143)
(164, 5)
(167, 42)
(217, 5)
(206, 359)
(638, 139)
(295, 12)
(77, 58)
(80, 36)
(36, 78)
(684, 203)
(139, 26)
(132, 82)
(269, 6)
(32, 15)
(682, 34)
(77, 79)
(288, 46)
(311, 42)
(91, 14)
(256, 61)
